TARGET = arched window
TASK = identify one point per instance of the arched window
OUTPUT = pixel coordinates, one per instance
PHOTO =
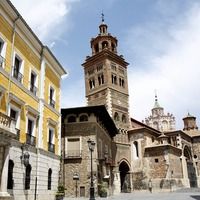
(124, 118)
(96, 47)
(28, 177)
(135, 150)
(104, 44)
(72, 119)
(83, 118)
(155, 125)
(116, 116)
(49, 178)
(10, 175)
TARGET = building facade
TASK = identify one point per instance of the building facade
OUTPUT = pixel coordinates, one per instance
(30, 143)
(78, 126)
(159, 120)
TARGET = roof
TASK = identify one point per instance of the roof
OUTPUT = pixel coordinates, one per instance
(143, 127)
(99, 111)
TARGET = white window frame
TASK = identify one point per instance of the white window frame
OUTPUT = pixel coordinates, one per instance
(21, 67)
(18, 111)
(33, 119)
(3, 51)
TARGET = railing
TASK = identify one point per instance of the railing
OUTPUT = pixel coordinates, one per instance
(8, 124)
(33, 89)
(2, 60)
(51, 147)
(31, 140)
(52, 103)
(17, 75)
(73, 154)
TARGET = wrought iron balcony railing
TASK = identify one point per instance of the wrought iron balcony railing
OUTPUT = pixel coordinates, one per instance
(52, 103)
(17, 75)
(2, 60)
(51, 147)
(33, 89)
(30, 139)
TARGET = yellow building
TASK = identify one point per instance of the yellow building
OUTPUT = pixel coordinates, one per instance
(30, 77)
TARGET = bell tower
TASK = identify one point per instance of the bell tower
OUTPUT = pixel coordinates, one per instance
(106, 77)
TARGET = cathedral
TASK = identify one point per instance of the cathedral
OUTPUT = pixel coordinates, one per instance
(128, 155)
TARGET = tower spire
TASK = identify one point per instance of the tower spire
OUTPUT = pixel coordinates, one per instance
(156, 104)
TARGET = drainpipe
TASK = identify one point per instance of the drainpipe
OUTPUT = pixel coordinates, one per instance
(12, 55)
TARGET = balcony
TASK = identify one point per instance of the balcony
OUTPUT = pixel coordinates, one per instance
(2, 60)
(33, 89)
(51, 147)
(17, 75)
(31, 140)
(52, 103)
(72, 154)
(8, 126)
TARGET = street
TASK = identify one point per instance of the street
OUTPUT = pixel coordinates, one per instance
(150, 196)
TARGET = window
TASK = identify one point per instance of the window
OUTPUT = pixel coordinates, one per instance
(51, 145)
(73, 147)
(14, 113)
(135, 150)
(30, 139)
(114, 79)
(49, 179)
(33, 79)
(156, 160)
(52, 97)
(2, 52)
(124, 118)
(83, 118)
(101, 79)
(17, 69)
(116, 116)
(113, 67)
(71, 119)
(10, 175)
(92, 83)
(28, 177)
(121, 82)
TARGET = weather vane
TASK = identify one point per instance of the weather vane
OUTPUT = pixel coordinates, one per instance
(102, 17)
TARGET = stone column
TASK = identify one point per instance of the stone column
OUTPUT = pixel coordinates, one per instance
(185, 172)
(116, 182)
(4, 175)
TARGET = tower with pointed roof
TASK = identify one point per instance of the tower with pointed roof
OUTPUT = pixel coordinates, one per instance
(106, 78)
(159, 120)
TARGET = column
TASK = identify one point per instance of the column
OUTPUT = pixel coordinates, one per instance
(185, 172)
(116, 182)
(4, 175)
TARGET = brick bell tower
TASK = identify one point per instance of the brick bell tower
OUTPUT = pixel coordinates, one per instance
(106, 78)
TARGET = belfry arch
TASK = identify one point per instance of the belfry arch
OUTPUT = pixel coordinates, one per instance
(125, 182)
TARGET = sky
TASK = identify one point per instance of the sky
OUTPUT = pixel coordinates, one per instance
(160, 39)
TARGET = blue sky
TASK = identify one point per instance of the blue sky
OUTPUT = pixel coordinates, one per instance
(159, 38)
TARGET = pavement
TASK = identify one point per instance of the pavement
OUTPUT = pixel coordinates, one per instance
(182, 195)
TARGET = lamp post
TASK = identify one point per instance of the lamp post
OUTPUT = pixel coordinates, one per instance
(91, 145)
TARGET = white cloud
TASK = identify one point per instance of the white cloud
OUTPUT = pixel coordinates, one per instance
(45, 17)
(172, 67)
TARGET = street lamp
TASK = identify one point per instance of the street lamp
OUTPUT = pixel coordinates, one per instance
(91, 145)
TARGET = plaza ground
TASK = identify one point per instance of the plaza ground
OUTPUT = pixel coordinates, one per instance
(181, 195)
